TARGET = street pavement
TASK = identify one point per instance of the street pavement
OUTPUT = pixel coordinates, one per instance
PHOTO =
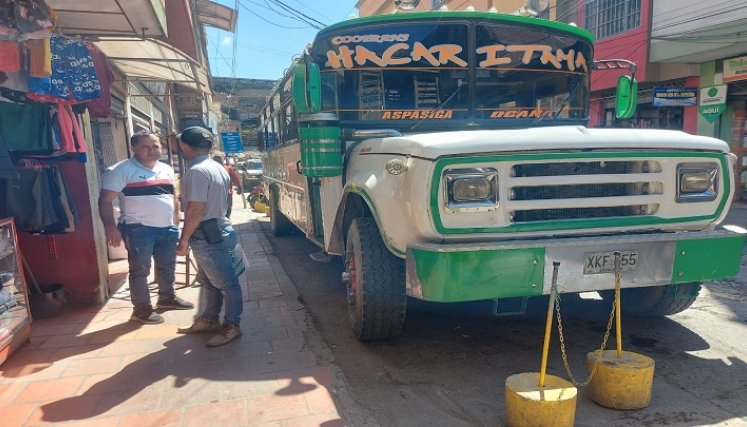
(91, 367)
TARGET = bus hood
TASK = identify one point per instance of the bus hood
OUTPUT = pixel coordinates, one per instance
(565, 138)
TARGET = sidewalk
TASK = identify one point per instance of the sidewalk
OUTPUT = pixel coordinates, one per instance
(91, 367)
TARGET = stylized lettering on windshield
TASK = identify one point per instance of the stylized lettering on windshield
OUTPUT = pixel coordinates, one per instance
(416, 114)
(437, 55)
(347, 57)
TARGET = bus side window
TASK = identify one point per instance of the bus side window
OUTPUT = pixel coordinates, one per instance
(329, 92)
(291, 128)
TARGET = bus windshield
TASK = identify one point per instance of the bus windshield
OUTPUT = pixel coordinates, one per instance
(438, 73)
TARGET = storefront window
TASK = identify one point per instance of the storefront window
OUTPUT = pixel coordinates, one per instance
(648, 117)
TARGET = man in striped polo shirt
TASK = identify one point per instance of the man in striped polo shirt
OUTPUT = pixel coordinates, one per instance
(147, 225)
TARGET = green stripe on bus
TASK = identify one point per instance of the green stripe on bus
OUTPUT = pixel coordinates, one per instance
(461, 15)
(479, 274)
(320, 133)
(321, 152)
(571, 224)
(707, 259)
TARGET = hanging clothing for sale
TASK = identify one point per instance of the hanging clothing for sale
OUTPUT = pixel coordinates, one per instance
(25, 128)
(71, 136)
(28, 200)
(40, 58)
(66, 201)
(10, 57)
(101, 107)
(7, 170)
(32, 15)
(73, 72)
(40, 201)
(17, 82)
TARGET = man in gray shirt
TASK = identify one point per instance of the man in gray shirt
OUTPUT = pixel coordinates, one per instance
(212, 239)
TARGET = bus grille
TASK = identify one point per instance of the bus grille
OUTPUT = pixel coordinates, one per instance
(584, 190)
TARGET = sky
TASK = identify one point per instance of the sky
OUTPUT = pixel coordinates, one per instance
(267, 37)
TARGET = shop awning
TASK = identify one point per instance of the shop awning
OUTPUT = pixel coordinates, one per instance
(126, 18)
(216, 15)
(154, 60)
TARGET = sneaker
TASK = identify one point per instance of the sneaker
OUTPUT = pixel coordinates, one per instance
(227, 334)
(173, 302)
(146, 315)
(200, 326)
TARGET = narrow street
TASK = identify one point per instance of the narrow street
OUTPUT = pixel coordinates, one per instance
(449, 366)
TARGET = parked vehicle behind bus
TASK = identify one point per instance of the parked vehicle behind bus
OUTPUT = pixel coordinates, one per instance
(445, 156)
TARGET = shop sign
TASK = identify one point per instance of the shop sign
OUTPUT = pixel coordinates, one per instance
(231, 142)
(735, 69)
(675, 96)
(712, 102)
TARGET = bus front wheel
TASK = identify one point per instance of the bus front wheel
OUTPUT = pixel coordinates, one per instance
(377, 299)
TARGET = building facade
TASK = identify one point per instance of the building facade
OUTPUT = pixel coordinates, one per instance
(241, 101)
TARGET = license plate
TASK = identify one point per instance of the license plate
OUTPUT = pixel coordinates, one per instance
(604, 262)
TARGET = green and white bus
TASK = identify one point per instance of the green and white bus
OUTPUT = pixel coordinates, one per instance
(445, 156)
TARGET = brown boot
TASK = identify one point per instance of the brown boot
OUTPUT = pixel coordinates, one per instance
(227, 334)
(200, 326)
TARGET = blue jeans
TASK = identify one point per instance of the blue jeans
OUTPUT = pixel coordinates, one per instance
(217, 276)
(144, 243)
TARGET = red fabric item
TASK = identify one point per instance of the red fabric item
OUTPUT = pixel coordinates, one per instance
(101, 107)
(51, 99)
(10, 57)
(235, 179)
(71, 136)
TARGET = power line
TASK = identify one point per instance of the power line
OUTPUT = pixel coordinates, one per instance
(315, 11)
(280, 13)
(728, 9)
(235, 37)
(210, 39)
(319, 25)
(268, 21)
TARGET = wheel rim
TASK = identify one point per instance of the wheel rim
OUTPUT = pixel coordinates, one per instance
(352, 285)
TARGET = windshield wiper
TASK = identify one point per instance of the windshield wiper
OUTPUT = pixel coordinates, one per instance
(562, 104)
(448, 98)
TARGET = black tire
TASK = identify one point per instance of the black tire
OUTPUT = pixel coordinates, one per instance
(657, 301)
(377, 299)
(279, 223)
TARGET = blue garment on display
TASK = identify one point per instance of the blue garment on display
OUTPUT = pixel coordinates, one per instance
(72, 69)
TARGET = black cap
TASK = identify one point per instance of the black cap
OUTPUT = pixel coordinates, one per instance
(196, 137)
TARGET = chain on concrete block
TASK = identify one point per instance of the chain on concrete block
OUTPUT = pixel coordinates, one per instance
(561, 338)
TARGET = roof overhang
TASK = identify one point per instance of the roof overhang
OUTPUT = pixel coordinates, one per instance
(216, 15)
(125, 18)
(154, 60)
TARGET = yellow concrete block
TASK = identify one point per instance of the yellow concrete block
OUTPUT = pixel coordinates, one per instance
(259, 207)
(621, 383)
(528, 405)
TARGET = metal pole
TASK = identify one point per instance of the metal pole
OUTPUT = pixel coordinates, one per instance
(548, 324)
(241, 185)
(128, 112)
(618, 321)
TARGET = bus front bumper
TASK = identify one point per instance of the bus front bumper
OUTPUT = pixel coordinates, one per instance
(481, 271)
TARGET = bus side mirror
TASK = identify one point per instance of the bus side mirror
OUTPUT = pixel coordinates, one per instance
(307, 88)
(314, 90)
(626, 97)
